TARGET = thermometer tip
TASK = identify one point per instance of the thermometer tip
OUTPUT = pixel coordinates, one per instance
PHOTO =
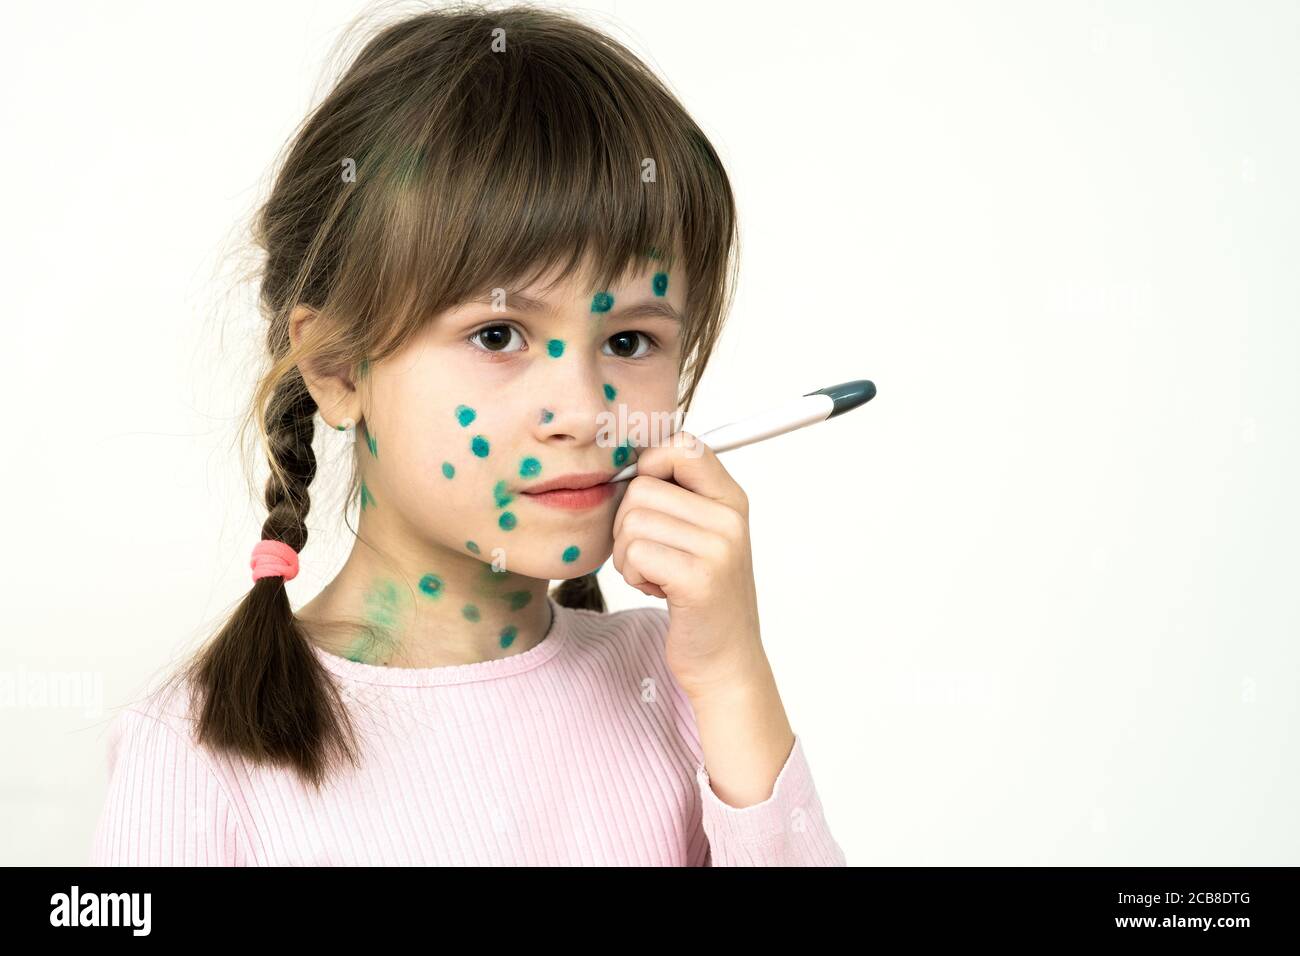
(848, 395)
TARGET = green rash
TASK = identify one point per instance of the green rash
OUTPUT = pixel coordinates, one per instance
(602, 302)
(507, 521)
(571, 554)
(547, 415)
(470, 612)
(431, 585)
(382, 604)
(502, 496)
(471, 547)
(659, 284)
(620, 455)
(508, 635)
(479, 446)
(530, 468)
(610, 392)
(367, 499)
(518, 599)
(555, 348)
(465, 415)
(448, 470)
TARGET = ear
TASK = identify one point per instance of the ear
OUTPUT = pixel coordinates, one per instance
(333, 389)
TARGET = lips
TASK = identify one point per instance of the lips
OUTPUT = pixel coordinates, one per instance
(573, 482)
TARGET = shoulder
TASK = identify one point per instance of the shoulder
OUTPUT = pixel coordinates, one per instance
(635, 631)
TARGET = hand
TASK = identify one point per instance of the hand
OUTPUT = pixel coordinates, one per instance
(681, 533)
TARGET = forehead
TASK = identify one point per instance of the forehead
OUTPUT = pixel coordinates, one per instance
(655, 290)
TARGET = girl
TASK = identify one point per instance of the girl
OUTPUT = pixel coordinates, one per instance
(498, 234)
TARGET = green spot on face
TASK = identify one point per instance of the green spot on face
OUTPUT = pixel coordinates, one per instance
(502, 496)
(659, 283)
(508, 634)
(470, 612)
(529, 468)
(464, 415)
(431, 585)
(507, 520)
(610, 392)
(620, 455)
(472, 547)
(448, 469)
(371, 441)
(571, 554)
(547, 415)
(363, 369)
(479, 446)
(518, 599)
(555, 348)
(367, 499)
(341, 428)
(652, 253)
(602, 302)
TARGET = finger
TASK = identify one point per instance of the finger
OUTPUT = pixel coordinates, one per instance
(691, 463)
(672, 571)
(644, 491)
(667, 529)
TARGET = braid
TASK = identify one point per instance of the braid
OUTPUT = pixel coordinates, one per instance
(290, 426)
(582, 592)
(265, 695)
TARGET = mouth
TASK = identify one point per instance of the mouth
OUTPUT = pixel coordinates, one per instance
(574, 491)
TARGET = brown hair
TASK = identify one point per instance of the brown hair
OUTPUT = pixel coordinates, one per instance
(489, 146)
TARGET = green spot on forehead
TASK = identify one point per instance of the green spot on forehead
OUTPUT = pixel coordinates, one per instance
(479, 446)
(465, 415)
(555, 347)
(602, 302)
(659, 283)
(529, 468)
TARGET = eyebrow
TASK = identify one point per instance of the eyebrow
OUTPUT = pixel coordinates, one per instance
(648, 309)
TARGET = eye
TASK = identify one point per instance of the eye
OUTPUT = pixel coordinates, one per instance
(624, 344)
(494, 338)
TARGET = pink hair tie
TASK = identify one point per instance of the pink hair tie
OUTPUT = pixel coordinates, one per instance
(272, 559)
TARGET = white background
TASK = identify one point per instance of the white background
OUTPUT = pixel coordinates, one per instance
(1034, 604)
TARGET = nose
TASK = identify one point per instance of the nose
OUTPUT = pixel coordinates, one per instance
(572, 399)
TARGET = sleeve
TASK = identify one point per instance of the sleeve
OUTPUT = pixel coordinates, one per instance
(166, 805)
(787, 829)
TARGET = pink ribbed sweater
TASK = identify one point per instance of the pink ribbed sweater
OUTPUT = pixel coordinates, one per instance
(582, 750)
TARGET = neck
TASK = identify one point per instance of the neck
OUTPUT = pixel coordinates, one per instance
(425, 606)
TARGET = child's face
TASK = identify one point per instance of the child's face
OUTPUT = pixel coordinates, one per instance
(487, 404)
